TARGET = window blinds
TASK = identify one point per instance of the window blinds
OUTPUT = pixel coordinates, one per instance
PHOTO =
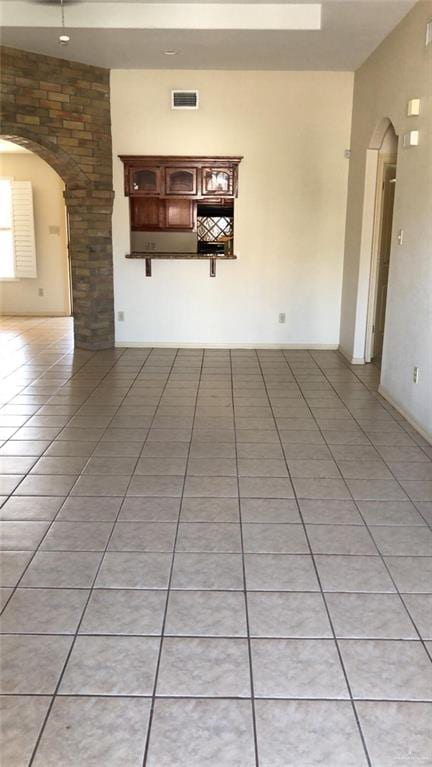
(23, 230)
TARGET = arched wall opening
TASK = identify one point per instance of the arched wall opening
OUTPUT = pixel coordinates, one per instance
(366, 290)
(60, 110)
(88, 214)
(385, 182)
(44, 288)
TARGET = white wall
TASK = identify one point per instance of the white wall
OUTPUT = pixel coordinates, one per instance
(292, 128)
(21, 296)
(400, 69)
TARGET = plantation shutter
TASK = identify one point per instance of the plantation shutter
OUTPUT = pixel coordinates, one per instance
(23, 229)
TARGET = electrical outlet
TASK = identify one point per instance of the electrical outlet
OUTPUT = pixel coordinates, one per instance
(40, 292)
(120, 316)
(416, 374)
(282, 317)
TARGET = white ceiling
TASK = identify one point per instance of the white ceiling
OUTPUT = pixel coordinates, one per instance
(350, 32)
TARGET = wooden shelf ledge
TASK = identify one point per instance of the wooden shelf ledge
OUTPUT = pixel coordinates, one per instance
(198, 256)
(212, 257)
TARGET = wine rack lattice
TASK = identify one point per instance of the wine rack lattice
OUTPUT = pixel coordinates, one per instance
(212, 228)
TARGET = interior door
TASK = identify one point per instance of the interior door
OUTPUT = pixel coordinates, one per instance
(388, 193)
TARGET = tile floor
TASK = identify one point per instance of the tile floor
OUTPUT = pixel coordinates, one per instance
(209, 559)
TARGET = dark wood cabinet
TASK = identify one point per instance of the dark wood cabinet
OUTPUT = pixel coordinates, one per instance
(173, 176)
(181, 194)
(156, 214)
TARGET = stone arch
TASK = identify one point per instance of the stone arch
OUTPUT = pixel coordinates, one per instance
(66, 167)
(60, 110)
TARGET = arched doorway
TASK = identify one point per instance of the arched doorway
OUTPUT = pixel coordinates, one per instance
(384, 145)
(60, 110)
(89, 210)
(34, 263)
(366, 285)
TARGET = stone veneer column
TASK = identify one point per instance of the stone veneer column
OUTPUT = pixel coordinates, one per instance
(90, 247)
(61, 111)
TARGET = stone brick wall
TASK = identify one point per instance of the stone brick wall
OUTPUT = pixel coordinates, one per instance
(61, 111)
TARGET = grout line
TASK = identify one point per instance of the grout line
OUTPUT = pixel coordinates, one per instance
(31, 382)
(382, 557)
(234, 637)
(384, 460)
(251, 676)
(323, 594)
(204, 393)
(387, 406)
(225, 697)
(54, 519)
(75, 635)
(159, 658)
(50, 523)
(217, 590)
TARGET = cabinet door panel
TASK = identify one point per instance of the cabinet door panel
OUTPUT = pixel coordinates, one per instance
(217, 182)
(179, 214)
(146, 213)
(181, 181)
(145, 181)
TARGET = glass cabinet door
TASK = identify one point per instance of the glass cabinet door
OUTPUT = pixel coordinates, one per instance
(145, 181)
(217, 182)
(181, 181)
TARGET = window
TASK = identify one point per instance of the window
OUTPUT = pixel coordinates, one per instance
(7, 251)
(17, 238)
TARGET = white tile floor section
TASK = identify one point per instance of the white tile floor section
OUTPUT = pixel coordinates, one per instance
(209, 559)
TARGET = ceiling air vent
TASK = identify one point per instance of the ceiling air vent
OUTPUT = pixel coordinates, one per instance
(184, 99)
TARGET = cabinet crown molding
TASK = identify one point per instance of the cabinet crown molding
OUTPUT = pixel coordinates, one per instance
(152, 159)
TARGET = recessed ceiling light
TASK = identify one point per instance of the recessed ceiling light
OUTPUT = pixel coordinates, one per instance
(170, 53)
(63, 38)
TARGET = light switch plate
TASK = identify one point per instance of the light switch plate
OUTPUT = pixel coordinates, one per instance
(428, 40)
(413, 109)
(411, 138)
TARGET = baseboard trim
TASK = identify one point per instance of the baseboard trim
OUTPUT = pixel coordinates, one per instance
(351, 360)
(198, 345)
(40, 315)
(401, 410)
